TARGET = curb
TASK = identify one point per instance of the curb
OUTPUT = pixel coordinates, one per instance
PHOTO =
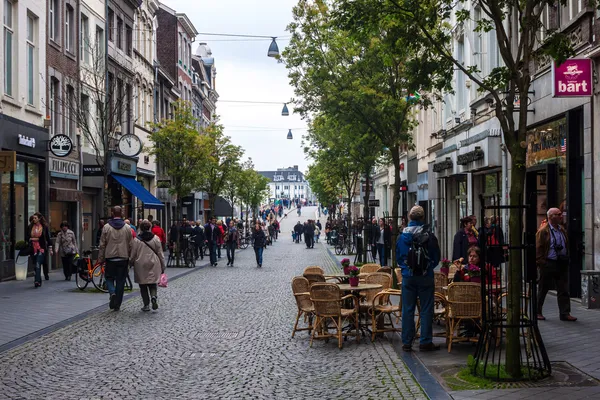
(49, 329)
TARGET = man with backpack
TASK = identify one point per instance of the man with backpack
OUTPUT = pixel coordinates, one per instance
(417, 253)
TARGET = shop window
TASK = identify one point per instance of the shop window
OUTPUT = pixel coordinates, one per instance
(33, 189)
(5, 216)
(462, 199)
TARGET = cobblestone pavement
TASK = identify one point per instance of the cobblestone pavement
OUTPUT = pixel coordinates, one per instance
(220, 333)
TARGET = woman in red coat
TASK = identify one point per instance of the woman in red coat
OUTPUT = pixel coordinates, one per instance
(220, 238)
(160, 233)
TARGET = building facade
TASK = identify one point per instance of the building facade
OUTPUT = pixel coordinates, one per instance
(288, 183)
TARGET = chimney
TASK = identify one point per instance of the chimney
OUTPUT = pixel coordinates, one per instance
(296, 167)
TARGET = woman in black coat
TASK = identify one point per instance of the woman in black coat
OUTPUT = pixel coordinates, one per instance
(260, 240)
(464, 239)
(493, 235)
(38, 237)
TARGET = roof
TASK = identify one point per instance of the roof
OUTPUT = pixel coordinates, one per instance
(297, 176)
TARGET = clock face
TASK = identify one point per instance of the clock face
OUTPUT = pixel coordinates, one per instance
(130, 145)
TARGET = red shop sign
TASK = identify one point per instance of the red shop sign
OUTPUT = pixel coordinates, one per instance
(573, 78)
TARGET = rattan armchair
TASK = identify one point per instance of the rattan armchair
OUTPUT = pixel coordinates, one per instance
(314, 269)
(441, 281)
(464, 304)
(387, 270)
(378, 278)
(398, 273)
(381, 307)
(327, 300)
(314, 278)
(369, 268)
(301, 290)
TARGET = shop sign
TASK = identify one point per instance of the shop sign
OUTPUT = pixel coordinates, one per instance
(65, 195)
(123, 166)
(187, 201)
(573, 78)
(463, 159)
(92, 170)
(61, 145)
(63, 167)
(442, 165)
(374, 203)
(26, 141)
(8, 161)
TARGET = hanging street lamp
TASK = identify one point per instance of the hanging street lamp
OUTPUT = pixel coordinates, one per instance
(273, 49)
(285, 112)
(289, 135)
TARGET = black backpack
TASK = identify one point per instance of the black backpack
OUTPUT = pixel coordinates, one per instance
(418, 254)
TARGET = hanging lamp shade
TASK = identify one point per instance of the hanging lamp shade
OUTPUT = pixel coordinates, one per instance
(289, 135)
(273, 49)
(285, 112)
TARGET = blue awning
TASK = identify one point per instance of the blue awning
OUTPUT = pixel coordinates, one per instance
(138, 191)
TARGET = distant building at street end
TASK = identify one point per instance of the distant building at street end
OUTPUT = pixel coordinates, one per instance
(288, 183)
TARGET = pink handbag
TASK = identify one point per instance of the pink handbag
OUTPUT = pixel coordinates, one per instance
(163, 280)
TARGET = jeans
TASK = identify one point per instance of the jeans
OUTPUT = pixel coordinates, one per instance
(39, 260)
(382, 255)
(414, 287)
(144, 289)
(115, 274)
(259, 252)
(230, 251)
(218, 251)
(212, 247)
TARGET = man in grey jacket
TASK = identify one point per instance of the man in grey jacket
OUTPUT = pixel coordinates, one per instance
(115, 248)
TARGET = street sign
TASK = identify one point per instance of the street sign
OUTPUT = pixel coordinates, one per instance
(8, 161)
(374, 203)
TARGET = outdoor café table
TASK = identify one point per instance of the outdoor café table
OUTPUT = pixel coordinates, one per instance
(345, 287)
(339, 277)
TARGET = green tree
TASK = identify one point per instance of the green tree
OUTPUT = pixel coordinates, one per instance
(362, 79)
(232, 184)
(181, 151)
(220, 163)
(253, 188)
(516, 24)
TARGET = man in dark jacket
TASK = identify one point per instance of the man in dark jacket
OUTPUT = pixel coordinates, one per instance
(309, 233)
(211, 235)
(198, 235)
(298, 229)
(383, 241)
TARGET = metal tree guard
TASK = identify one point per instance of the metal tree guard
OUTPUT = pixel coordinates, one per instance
(490, 352)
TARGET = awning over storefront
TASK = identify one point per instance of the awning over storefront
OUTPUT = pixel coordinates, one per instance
(222, 207)
(138, 191)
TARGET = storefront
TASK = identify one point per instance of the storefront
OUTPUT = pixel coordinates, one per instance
(91, 202)
(64, 194)
(22, 185)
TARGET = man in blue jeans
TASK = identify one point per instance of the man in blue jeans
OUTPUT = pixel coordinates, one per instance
(115, 247)
(420, 286)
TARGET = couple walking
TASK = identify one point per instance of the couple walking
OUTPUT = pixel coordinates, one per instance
(120, 249)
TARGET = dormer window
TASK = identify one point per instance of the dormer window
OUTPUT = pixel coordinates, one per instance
(291, 177)
(277, 178)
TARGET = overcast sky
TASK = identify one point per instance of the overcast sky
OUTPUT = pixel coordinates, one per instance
(244, 72)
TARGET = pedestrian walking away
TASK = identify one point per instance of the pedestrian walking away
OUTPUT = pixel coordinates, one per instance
(158, 231)
(115, 248)
(231, 242)
(260, 241)
(148, 263)
(552, 260)
(66, 247)
(383, 241)
(417, 253)
(38, 237)
(199, 239)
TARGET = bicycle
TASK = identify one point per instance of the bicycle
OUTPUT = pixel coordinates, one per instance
(189, 253)
(95, 274)
(340, 245)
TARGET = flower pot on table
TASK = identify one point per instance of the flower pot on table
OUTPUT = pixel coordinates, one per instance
(346, 269)
(353, 280)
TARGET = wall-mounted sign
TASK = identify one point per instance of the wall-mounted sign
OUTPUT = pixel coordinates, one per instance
(123, 166)
(374, 203)
(573, 78)
(26, 141)
(401, 166)
(92, 170)
(61, 145)
(442, 165)
(8, 161)
(63, 166)
(403, 188)
(463, 159)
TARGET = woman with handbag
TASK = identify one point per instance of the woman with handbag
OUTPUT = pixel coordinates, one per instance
(66, 246)
(148, 263)
(38, 237)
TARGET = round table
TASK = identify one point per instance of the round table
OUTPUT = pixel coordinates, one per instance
(345, 287)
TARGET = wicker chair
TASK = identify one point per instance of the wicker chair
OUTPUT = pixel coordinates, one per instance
(382, 306)
(441, 281)
(301, 290)
(369, 268)
(328, 300)
(398, 272)
(387, 270)
(314, 278)
(378, 278)
(464, 304)
(314, 269)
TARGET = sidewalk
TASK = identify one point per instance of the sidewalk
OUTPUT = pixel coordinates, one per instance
(26, 311)
(571, 348)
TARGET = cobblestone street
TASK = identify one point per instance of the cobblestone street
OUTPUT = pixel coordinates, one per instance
(220, 333)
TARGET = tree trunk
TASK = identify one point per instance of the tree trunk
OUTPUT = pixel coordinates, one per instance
(367, 217)
(179, 227)
(396, 199)
(515, 267)
(211, 204)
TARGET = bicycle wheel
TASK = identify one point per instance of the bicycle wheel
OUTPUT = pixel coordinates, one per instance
(80, 281)
(244, 244)
(338, 249)
(98, 278)
(188, 258)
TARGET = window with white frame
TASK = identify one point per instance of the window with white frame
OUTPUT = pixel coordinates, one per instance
(69, 28)
(477, 40)
(9, 9)
(120, 33)
(179, 46)
(85, 116)
(68, 110)
(149, 105)
(99, 44)
(31, 57)
(54, 96)
(461, 89)
(570, 10)
(111, 25)
(142, 46)
(544, 23)
(493, 51)
(84, 40)
(136, 99)
(53, 19)
(143, 110)
(277, 178)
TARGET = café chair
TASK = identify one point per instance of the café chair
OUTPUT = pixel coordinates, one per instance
(301, 290)
(382, 306)
(314, 269)
(369, 268)
(464, 304)
(314, 278)
(327, 300)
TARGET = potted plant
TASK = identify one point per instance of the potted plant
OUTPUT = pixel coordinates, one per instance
(345, 264)
(21, 267)
(353, 275)
(473, 273)
(445, 269)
